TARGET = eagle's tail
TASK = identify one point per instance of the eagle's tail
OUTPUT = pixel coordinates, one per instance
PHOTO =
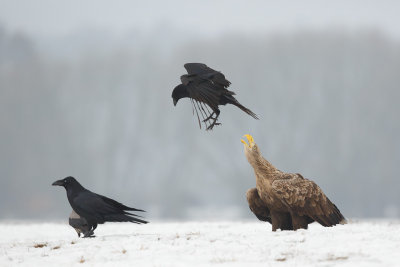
(332, 217)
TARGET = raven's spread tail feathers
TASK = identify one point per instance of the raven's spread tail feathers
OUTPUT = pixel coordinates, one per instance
(248, 111)
(123, 218)
(120, 212)
(232, 100)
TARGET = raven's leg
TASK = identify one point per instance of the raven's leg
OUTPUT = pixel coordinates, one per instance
(88, 234)
(214, 121)
(209, 117)
(213, 124)
(90, 230)
(211, 114)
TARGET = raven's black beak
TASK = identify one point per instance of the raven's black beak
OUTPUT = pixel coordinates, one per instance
(59, 182)
(175, 101)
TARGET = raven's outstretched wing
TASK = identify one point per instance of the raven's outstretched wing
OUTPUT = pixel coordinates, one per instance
(198, 68)
(205, 92)
(205, 98)
(204, 72)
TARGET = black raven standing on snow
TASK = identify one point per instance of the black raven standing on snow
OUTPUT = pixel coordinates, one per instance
(206, 88)
(93, 208)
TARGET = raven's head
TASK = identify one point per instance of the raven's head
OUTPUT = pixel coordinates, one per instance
(179, 92)
(68, 181)
(251, 149)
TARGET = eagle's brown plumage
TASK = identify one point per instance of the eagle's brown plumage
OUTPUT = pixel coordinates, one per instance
(287, 200)
(257, 205)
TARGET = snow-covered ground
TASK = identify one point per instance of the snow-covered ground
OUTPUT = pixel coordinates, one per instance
(201, 244)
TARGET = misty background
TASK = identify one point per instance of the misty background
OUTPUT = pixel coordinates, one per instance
(85, 90)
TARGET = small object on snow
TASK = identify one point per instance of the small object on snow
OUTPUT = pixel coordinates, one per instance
(93, 208)
(40, 245)
(80, 225)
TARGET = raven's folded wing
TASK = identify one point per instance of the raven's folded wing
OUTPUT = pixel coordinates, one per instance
(90, 205)
(117, 204)
(103, 209)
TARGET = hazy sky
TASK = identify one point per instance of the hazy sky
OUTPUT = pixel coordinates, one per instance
(209, 17)
(86, 91)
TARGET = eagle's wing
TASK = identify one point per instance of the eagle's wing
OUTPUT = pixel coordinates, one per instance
(257, 206)
(306, 198)
(206, 73)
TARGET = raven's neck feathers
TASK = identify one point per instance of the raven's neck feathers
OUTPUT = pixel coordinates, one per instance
(74, 189)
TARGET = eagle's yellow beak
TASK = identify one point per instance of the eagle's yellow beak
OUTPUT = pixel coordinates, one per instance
(250, 139)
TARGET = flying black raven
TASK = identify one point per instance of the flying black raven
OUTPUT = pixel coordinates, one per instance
(94, 208)
(207, 89)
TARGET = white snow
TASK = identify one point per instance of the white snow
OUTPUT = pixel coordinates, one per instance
(364, 243)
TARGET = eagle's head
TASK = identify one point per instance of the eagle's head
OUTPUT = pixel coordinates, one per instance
(250, 149)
